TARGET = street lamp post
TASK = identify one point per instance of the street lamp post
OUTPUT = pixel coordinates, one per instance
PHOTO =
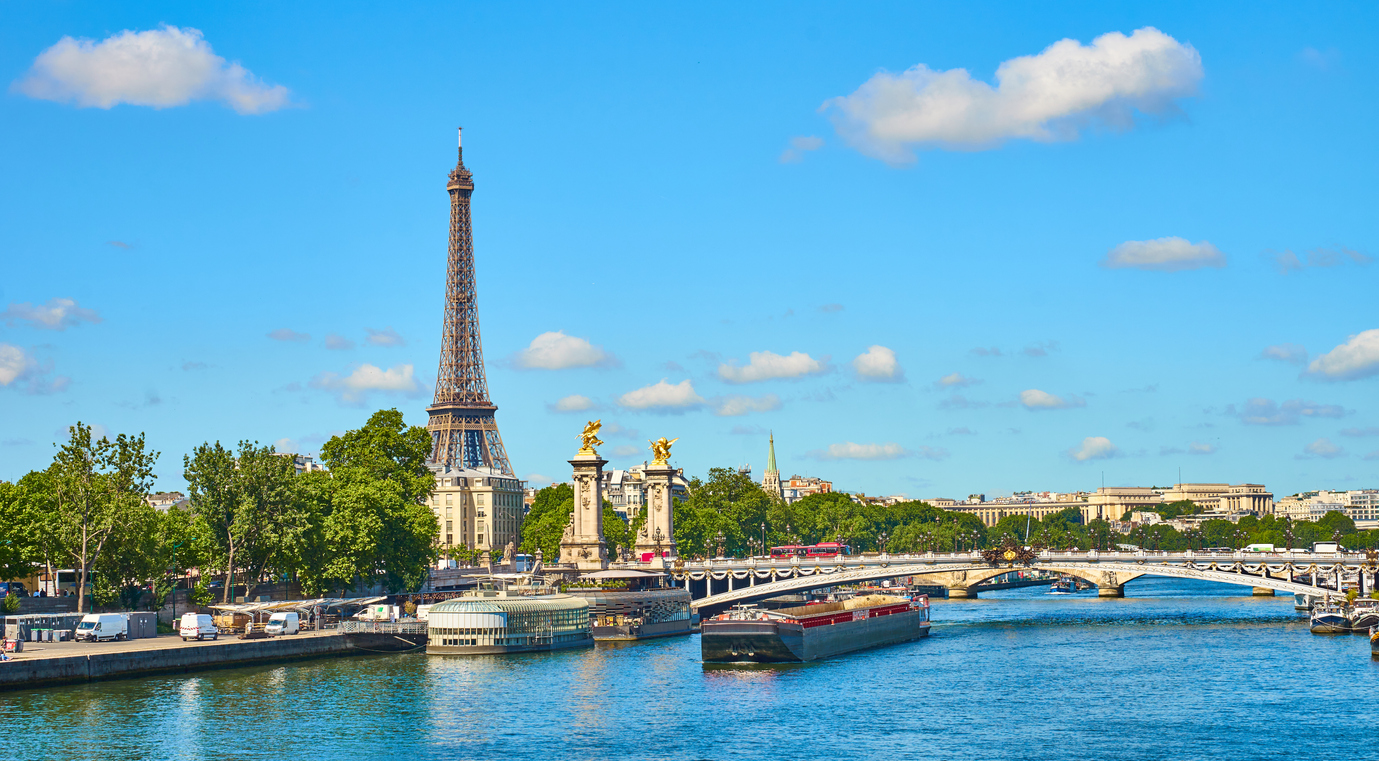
(719, 539)
(175, 579)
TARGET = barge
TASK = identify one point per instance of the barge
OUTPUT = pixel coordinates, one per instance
(631, 605)
(809, 632)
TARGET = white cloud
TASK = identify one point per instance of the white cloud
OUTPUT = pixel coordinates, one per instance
(1371, 431)
(384, 337)
(1287, 261)
(878, 364)
(285, 445)
(556, 351)
(800, 146)
(1357, 358)
(737, 404)
(57, 314)
(1034, 399)
(851, 451)
(1044, 97)
(572, 403)
(337, 342)
(765, 365)
(536, 478)
(626, 451)
(1295, 354)
(15, 364)
(1198, 447)
(1259, 411)
(160, 68)
(21, 370)
(957, 380)
(1094, 448)
(355, 387)
(663, 396)
(1164, 255)
(1322, 448)
(288, 334)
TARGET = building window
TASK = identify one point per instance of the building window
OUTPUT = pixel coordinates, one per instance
(449, 539)
(448, 498)
(449, 526)
(479, 500)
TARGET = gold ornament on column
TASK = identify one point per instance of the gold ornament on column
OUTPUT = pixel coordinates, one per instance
(590, 437)
(660, 450)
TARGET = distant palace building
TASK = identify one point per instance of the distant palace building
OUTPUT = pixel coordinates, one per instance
(1111, 503)
(1360, 505)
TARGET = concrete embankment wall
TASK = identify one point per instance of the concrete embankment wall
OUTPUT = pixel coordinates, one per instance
(22, 673)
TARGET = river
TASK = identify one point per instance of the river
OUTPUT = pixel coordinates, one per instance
(1176, 670)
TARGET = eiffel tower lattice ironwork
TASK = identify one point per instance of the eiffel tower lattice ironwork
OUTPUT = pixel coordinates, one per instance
(464, 432)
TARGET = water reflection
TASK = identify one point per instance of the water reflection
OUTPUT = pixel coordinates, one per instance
(1170, 672)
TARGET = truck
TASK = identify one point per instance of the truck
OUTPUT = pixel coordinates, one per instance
(283, 622)
(1327, 547)
(102, 627)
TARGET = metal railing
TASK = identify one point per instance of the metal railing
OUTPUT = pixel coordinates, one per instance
(383, 627)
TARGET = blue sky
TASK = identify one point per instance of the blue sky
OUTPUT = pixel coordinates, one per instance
(1104, 257)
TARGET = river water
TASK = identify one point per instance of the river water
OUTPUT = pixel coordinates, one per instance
(1176, 670)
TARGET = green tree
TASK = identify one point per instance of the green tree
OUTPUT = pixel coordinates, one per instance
(95, 487)
(378, 519)
(244, 499)
(545, 523)
(19, 543)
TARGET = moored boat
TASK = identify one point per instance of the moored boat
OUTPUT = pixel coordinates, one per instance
(1330, 619)
(1374, 643)
(1364, 615)
(809, 632)
(1064, 586)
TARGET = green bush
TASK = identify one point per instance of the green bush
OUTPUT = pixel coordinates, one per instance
(11, 603)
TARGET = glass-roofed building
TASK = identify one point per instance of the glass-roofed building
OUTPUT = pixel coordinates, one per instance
(493, 621)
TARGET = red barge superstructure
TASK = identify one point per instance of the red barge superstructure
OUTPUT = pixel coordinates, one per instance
(810, 632)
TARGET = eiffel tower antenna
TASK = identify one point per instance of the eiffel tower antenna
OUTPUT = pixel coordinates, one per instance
(463, 430)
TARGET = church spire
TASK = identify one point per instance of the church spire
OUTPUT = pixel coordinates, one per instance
(770, 481)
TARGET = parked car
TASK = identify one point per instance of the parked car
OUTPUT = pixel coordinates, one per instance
(17, 587)
(283, 623)
(197, 626)
(102, 627)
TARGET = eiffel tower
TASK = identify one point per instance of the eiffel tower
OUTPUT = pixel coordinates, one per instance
(463, 430)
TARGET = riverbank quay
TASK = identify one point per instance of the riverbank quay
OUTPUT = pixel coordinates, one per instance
(46, 664)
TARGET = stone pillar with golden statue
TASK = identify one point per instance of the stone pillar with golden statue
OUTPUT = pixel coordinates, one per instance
(582, 545)
(657, 535)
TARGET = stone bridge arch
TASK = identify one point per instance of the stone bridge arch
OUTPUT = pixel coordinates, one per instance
(960, 584)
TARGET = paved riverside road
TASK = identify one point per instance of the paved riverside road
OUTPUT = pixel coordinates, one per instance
(36, 650)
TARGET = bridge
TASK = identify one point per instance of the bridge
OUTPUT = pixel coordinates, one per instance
(721, 583)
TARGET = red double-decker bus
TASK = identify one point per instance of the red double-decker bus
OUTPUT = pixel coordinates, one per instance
(820, 550)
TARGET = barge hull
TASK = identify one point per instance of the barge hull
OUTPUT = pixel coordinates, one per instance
(789, 642)
(505, 649)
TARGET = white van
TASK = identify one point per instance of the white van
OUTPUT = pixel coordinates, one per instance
(102, 627)
(197, 626)
(282, 623)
